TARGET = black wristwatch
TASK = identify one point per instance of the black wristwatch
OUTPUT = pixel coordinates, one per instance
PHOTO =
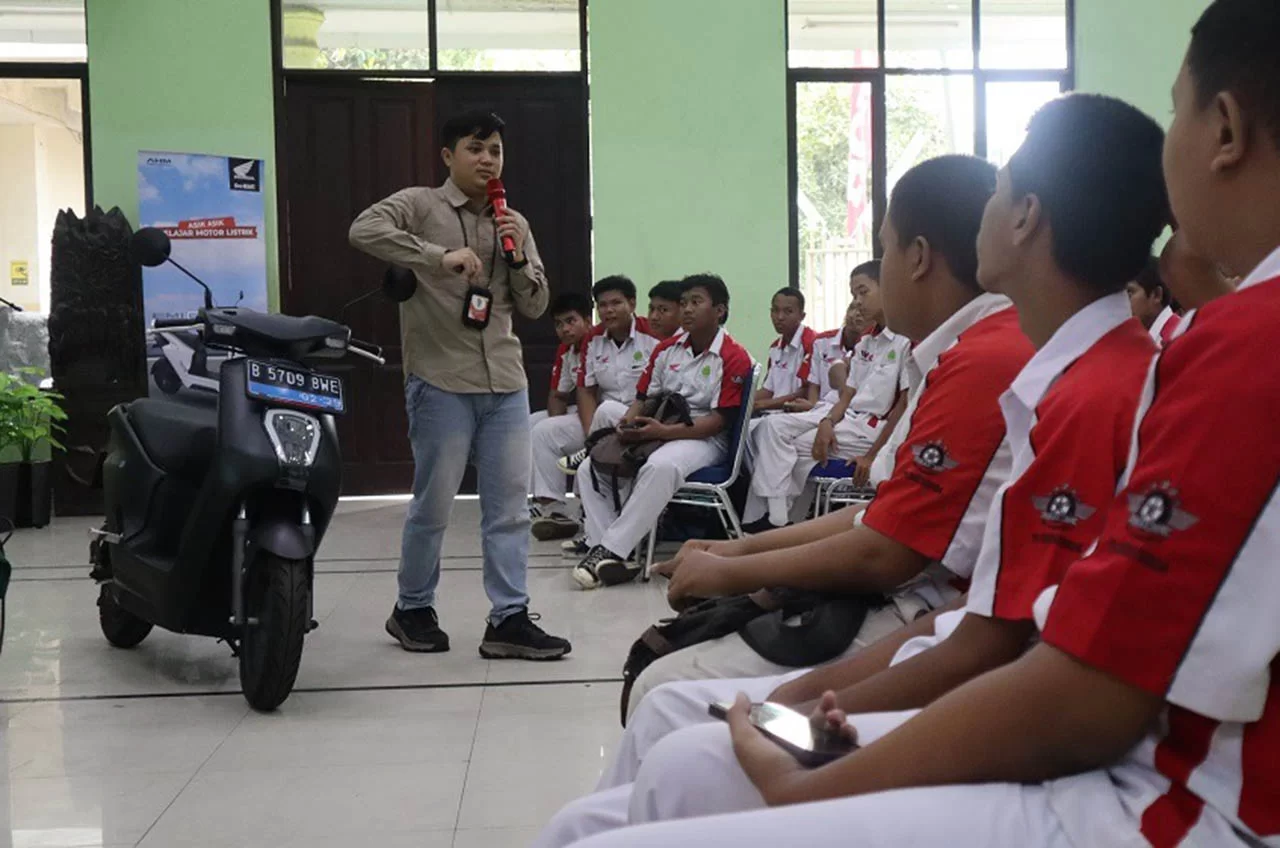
(516, 266)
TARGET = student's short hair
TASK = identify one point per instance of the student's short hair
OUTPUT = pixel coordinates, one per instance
(667, 290)
(572, 302)
(1149, 280)
(479, 124)
(616, 283)
(1233, 49)
(867, 269)
(942, 200)
(1095, 164)
(715, 287)
(792, 291)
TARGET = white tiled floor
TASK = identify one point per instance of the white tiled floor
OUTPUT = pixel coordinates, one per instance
(154, 747)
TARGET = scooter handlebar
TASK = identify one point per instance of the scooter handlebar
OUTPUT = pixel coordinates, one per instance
(371, 352)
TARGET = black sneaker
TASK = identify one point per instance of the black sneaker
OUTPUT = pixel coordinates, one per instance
(418, 630)
(764, 525)
(602, 567)
(549, 525)
(615, 570)
(575, 548)
(518, 638)
(571, 463)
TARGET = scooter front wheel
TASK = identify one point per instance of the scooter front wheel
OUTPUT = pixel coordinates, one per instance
(122, 628)
(278, 597)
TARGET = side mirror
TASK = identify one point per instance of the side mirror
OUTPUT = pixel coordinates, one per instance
(399, 284)
(149, 246)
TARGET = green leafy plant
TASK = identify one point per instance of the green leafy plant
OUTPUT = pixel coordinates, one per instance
(30, 418)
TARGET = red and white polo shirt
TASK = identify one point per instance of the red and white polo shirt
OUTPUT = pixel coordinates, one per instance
(615, 368)
(711, 380)
(1181, 596)
(875, 372)
(1069, 417)
(564, 374)
(789, 363)
(951, 453)
(828, 349)
(1165, 326)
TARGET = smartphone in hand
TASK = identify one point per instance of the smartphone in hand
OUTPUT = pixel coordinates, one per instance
(793, 732)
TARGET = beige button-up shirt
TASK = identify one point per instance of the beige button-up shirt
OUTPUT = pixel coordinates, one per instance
(415, 228)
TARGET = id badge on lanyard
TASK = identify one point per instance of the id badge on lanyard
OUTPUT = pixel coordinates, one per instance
(477, 306)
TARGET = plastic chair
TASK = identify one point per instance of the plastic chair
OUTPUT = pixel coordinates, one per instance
(708, 487)
(835, 486)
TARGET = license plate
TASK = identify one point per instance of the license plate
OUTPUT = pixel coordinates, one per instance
(296, 387)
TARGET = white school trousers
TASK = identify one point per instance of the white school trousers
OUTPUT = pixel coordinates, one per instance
(552, 438)
(644, 498)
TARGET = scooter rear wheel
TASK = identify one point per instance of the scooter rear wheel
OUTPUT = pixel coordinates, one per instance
(122, 628)
(278, 597)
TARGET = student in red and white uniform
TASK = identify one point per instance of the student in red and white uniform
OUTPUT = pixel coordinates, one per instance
(1152, 303)
(615, 356)
(1148, 714)
(1075, 401)
(790, 355)
(787, 448)
(711, 371)
(556, 430)
(664, 309)
(834, 347)
(921, 536)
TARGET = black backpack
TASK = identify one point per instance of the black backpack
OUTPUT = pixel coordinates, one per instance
(613, 460)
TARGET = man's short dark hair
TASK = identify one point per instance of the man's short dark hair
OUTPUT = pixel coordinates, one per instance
(1095, 164)
(942, 200)
(616, 283)
(714, 286)
(1233, 48)
(792, 291)
(867, 269)
(667, 290)
(572, 302)
(479, 124)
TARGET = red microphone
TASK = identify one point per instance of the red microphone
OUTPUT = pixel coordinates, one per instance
(498, 197)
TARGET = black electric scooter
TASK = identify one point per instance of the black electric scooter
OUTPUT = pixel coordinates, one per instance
(214, 513)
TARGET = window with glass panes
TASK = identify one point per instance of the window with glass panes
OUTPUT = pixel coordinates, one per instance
(877, 86)
(416, 36)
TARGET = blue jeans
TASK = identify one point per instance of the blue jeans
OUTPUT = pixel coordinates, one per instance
(449, 431)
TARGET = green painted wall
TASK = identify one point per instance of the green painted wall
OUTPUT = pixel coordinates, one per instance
(689, 147)
(185, 77)
(1132, 49)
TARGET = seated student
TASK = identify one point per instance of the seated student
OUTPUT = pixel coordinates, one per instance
(790, 355)
(1193, 279)
(1152, 303)
(1076, 402)
(833, 349)
(615, 356)
(664, 309)
(921, 536)
(787, 449)
(1147, 712)
(711, 371)
(557, 431)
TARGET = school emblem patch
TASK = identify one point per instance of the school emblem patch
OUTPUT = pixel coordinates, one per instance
(706, 370)
(1158, 512)
(932, 457)
(1063, 506)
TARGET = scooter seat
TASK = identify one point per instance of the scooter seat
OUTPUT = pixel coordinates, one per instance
(179, 438)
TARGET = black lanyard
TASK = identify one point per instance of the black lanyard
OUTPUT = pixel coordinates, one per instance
(466, 242)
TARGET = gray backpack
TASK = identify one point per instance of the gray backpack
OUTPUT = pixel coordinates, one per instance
(613, 460)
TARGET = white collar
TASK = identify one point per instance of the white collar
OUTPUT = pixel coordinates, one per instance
(1080, 332)
(715, 346)
(927, 352)
(1157, 326)
(797, 339)
(1268, 270)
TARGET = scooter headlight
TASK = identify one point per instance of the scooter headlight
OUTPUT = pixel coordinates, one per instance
(294, 435)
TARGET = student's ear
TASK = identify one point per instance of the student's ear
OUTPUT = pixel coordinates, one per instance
(919, 258)
(447, 155)
(1232, 128)
(1027, 215)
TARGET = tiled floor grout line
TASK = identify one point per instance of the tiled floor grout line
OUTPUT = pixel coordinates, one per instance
(471, 755)
(191, 779)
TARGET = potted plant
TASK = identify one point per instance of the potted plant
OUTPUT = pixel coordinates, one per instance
(30, 421)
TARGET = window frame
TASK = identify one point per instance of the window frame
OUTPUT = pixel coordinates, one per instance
(878, 78)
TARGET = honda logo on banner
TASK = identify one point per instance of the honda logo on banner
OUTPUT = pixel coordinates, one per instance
(246, 174)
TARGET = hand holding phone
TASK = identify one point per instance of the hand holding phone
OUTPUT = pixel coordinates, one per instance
(794, 733)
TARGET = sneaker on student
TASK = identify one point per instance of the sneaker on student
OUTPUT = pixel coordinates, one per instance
(571, 463)
(519, 638)
(418, 630)
(764, 525)
(575, 548)
(602, 566)
(550, 524)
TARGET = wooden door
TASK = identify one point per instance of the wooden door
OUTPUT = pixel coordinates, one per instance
(348, 144)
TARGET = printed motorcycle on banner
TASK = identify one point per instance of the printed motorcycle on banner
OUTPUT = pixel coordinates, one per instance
(212, 209)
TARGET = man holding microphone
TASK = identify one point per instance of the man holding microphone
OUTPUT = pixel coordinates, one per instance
(466, 392)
